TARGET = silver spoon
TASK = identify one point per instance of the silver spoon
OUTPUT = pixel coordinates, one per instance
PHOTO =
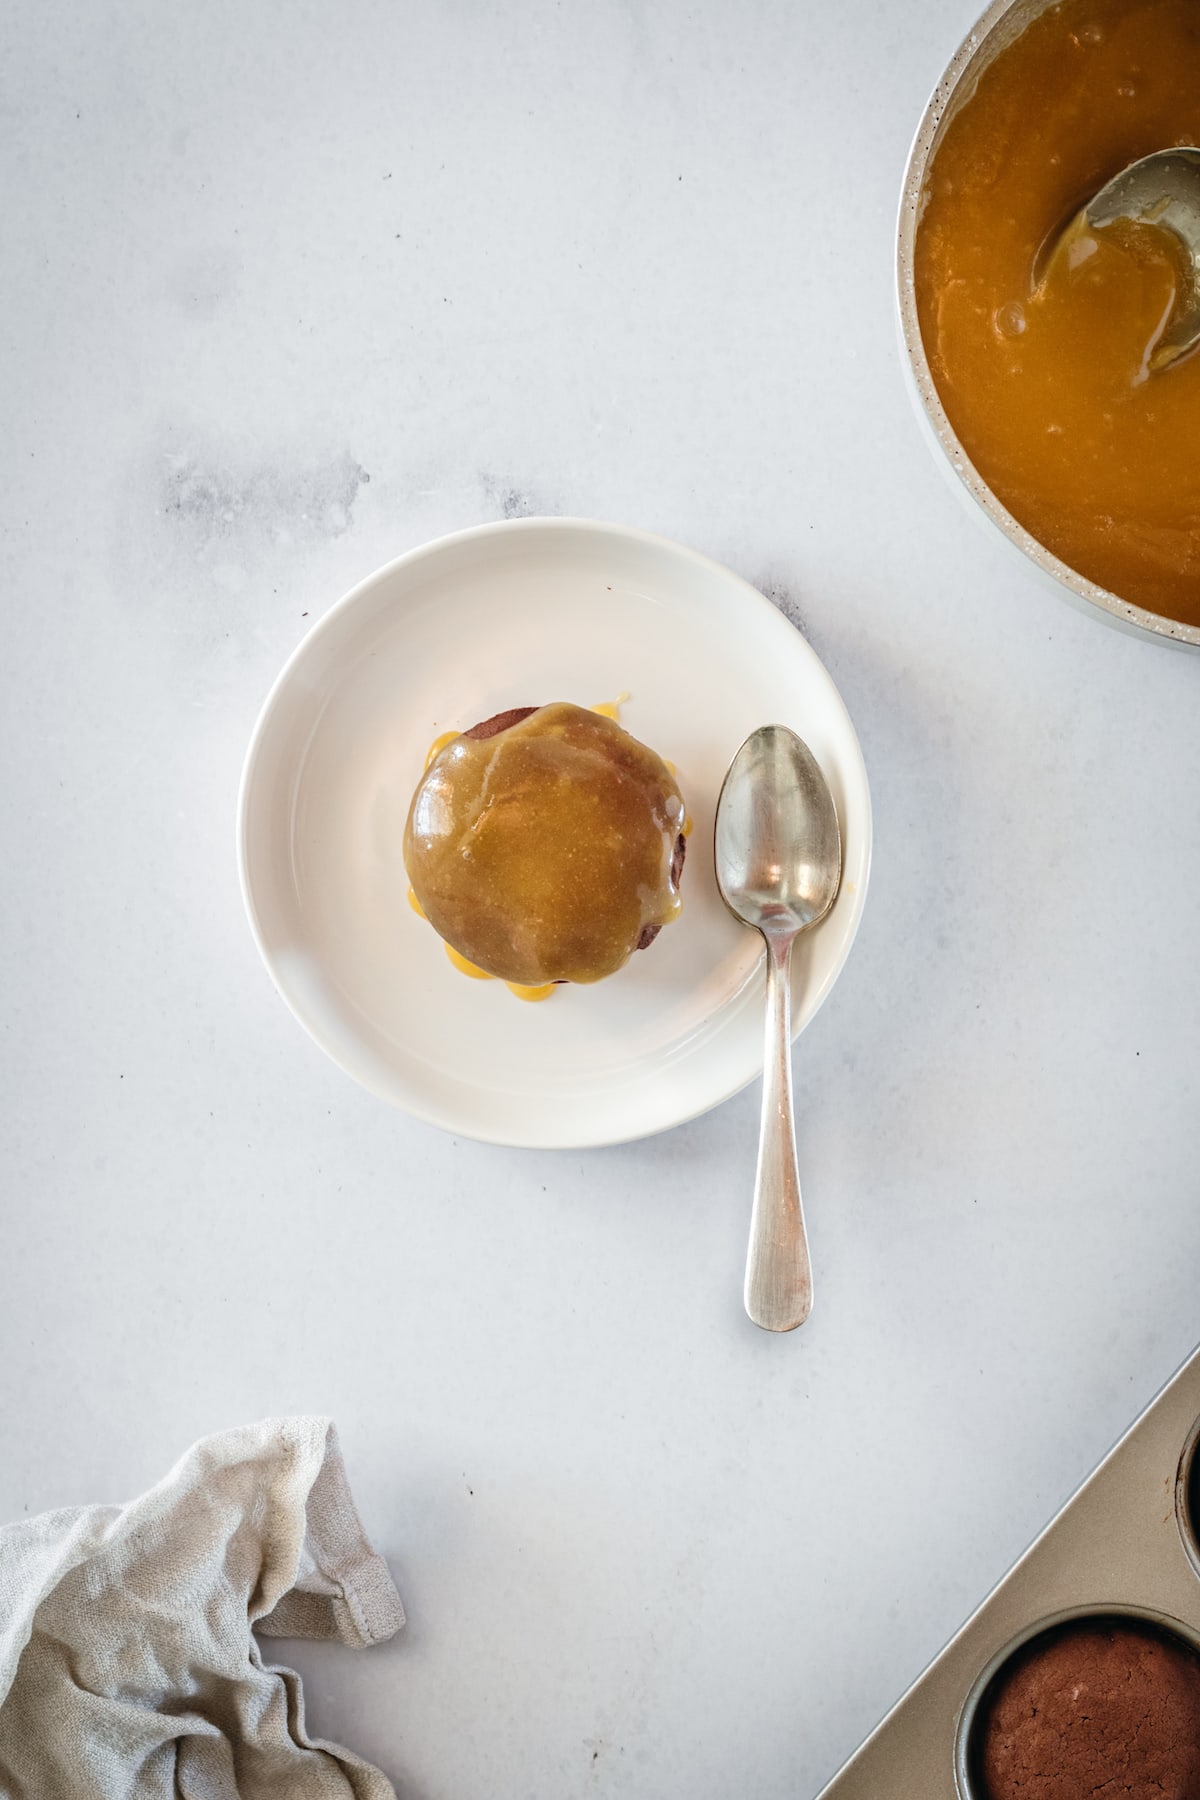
(779, 867)
(1163, 190)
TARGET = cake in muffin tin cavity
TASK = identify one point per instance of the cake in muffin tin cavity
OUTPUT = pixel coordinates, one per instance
(1096, 1707)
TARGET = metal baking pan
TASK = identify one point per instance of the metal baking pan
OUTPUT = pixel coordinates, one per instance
(1128, 1542)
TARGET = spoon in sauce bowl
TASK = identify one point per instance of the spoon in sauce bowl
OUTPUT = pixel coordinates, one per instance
(779, 867)
(1161, 190)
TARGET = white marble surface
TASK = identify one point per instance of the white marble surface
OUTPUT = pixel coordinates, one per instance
(290, 289)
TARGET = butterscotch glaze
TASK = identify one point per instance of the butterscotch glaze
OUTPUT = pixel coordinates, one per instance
(547, 850)
(1048, 368)
(459, 962)
(439, 744)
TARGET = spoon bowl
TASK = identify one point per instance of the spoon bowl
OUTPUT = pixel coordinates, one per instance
(1162, 190)
(778, 850)
(778, 843)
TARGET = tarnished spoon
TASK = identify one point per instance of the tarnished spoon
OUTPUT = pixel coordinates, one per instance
(1163, 190)
(779, 867)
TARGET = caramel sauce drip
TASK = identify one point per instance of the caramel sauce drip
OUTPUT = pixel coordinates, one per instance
(548, 851)
(468, 968)
(521, 992)
(1046, 377)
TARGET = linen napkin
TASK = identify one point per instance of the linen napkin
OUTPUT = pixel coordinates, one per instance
(128, 1666)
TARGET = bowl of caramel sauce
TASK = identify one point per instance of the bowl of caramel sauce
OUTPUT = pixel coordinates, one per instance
(1034, 373)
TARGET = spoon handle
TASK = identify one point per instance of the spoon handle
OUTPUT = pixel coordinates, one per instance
(778, 1271)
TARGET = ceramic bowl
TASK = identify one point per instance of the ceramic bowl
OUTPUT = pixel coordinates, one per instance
(508, 615)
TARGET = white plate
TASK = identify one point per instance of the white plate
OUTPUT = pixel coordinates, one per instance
(513, 614)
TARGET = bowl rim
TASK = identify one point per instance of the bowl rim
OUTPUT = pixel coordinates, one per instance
(962, 65)
(1187, 1477)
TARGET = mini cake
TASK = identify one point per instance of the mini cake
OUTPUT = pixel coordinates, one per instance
(546, 845)
(1105, 1706)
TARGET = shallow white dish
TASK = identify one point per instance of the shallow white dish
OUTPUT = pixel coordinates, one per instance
(512, 614)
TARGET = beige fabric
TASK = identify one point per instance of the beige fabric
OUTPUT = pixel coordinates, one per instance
(128, 1668)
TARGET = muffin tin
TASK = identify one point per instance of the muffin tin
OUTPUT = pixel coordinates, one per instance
(1126, 1545)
